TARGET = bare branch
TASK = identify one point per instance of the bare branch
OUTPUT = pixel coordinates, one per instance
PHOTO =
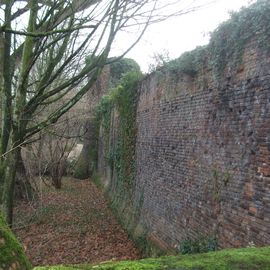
(50, 33)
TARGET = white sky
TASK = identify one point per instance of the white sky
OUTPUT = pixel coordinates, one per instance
(184, 33)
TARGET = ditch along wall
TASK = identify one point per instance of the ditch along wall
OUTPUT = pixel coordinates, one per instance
(202, 144)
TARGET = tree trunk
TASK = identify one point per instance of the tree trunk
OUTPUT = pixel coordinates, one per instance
(23, 187)
(56, 175)
(9, 184)
(5, 91)
(57, 181)
(19, 118)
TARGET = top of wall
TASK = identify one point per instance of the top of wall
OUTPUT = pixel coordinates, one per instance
(225, 54)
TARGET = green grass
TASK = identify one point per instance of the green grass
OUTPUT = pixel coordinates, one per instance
(230, 259)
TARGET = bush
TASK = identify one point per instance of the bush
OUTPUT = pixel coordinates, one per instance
(200, 244)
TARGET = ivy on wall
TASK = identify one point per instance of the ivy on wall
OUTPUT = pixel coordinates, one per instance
(120, 155)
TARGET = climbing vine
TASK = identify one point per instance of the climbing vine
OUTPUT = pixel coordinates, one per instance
(120, 154)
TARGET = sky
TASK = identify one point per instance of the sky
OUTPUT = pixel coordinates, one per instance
(179, 34)
(184, 33)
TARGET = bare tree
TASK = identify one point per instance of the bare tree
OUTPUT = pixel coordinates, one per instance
(49, 155)
(42, 61)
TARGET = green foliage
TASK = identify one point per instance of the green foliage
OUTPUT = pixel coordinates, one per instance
(142, 243)
(119, 68)
(188, 63)
(11, 253)
(125, 103)
(200, 244)
(102, 121)
(121, 99)
(230, 38)
(230, 259)
(120, 155)
(148, 248)
(119, 106)
(227, 43)
(103, 111)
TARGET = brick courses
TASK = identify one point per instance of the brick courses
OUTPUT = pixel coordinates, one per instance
(203, 153)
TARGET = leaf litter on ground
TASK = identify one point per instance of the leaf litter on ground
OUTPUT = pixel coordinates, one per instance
(72, 226)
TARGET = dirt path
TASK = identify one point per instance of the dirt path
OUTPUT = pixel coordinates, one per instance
(74, 225)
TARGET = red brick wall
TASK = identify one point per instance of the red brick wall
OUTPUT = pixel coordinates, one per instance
(203, 153)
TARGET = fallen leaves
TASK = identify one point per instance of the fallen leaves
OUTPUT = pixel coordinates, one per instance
(74, 225)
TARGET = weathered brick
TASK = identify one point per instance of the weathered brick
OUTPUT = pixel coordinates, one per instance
(203, 154)
(196, 153)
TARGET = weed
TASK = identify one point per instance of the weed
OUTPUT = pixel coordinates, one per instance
(199, 244)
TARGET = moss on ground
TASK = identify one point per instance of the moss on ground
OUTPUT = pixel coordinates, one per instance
(230, 259)
(11, 252)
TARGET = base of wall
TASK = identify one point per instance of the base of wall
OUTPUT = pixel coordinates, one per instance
(128, 216)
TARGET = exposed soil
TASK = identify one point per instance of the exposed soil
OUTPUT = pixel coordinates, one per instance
(73, 225)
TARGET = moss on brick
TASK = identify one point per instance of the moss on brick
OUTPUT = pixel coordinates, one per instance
(231, 259)
(11, 252)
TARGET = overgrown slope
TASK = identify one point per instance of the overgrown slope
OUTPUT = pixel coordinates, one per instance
(233, 259)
